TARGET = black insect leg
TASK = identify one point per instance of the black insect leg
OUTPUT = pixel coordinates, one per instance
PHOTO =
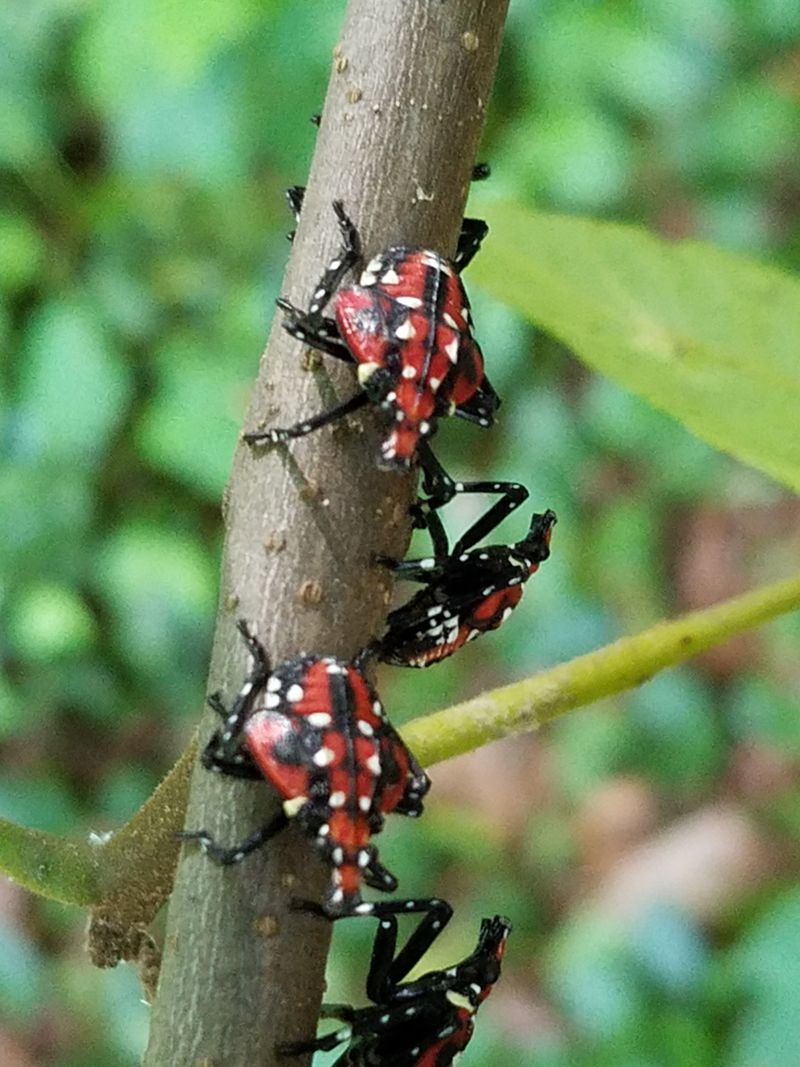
(224, 752)
(315, 331)
(480, 409)
(376, 876)
(226, 856)
(325, 1043)
(348, 255)
(300, 429)
(513, 494)
(246, 697)
(311, 326)
(441, 489)
(472, 234)
(238, 765)
(295, 195)
(386, 968)
(427, 570)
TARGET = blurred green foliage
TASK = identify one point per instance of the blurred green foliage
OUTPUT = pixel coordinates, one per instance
(144, 149)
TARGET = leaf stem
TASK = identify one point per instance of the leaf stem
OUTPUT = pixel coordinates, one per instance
(627, 663)
(48, 865)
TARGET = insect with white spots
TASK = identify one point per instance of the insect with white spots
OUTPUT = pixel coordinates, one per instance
(466, 594)
(427, 1022)
(316, 729)
(407, 326)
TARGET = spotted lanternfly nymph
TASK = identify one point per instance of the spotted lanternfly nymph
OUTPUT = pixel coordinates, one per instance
(466, 594)
(316, 729)
(407, 326)
(427, 1022)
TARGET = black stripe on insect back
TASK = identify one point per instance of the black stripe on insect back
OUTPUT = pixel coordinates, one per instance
(344, 701)
(434, 294)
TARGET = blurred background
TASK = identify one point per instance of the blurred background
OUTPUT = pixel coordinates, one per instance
(646, 849)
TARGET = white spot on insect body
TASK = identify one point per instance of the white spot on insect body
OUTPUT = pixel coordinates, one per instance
(274, 685)
(324, 830)
(409, 301)
(337, 799)
(374, 765)
(367, 278)
(365, 728)
(452, 350)
(294, 693)
(375, 265)
(377, 707)
(405, 331)
(364, 908)
(323, 757)
(460, 1001)
(451, 322)
(335, 669)
(409, 371)
(424, 428)
(271, 700)
(391, 277)
(434, 611)
(506, 613)
(293, 805)
(363, 858)
(319, 719)
(365, 803)
(365, 371)
(337, 856)
(434, 383)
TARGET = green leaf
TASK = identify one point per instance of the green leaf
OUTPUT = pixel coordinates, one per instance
(765, 966)
(160, 588)
(191, 426)
(706, 336)
(50, 620)
(74, 386)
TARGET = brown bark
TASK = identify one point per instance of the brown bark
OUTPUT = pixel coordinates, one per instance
(402, 119)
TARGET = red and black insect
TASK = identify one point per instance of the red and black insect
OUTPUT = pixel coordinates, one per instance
(427, 1022)
(407, 326)
(467, 593)
(316, 729)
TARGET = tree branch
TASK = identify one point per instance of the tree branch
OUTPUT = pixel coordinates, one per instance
(400, 128)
